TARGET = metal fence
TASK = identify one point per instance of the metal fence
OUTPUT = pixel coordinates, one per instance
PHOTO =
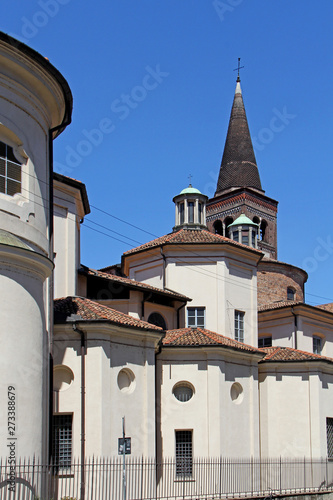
(147, 479)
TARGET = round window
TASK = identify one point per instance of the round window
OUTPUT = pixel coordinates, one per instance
(62, 378)
(236, 393)
(183, 391)
(126, 380)
(157, 320)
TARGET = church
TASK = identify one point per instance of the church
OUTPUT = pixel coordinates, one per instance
(200, 340)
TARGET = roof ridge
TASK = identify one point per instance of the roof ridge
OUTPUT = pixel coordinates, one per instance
(181, 331)
(275, 349)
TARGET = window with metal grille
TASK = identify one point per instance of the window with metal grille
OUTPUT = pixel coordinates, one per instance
(196, 317)
(157, 319)
(290, 294)
(239, 326)
(265, 342)
(329, 432)
(62, 441)
(10, 171)
(184, 459)
(316, 342)
(183, 391)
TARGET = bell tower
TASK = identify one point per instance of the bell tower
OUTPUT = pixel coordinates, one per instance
(239, 189)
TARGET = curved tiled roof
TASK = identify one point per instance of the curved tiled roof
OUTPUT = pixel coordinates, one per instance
(87, 310)
(188, 236)
(133, 284)
(326, 307)
(199, 337)
(238, 166)
(279, 305)
(284, 354)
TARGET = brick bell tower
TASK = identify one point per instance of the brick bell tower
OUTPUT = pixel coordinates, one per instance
(239, 188)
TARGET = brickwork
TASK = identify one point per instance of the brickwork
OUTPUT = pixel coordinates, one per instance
(275, 277)
(255, 206)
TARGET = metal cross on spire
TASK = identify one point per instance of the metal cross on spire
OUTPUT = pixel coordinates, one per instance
(190, 179)
(238, 68)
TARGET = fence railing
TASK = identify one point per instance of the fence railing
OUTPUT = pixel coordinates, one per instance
(148, 479)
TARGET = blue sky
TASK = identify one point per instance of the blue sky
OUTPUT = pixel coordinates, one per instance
(153, 84)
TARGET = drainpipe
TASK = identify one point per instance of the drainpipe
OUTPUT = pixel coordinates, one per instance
(83, 376)
(295, 326)
(164, 266)
(157, 402)
(179, 308)
(51, 279)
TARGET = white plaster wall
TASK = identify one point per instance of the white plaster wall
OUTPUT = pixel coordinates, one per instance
(281, 330)
(108, 353)
(67, 215)
(216, 278)
(31, 103)
(294, 404)
(220, 426)
(24, 358)
(309, 328)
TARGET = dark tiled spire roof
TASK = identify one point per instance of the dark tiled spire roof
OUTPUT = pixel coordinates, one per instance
(238, 166)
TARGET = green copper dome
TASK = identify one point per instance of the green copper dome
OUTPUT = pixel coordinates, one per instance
(190, 190)
(11, 240)
(242, 219)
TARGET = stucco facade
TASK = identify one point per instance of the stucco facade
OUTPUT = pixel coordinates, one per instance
(35, 104)
(193, 334)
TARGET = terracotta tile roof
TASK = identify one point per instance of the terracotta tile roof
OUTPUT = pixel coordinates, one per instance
(188, 236)
(279, 305)
(288, 303)
(133, 284)
(326, 307)
(87, 310)
(191, 337)
(283, 354)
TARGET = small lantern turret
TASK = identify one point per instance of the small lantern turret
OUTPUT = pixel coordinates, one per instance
(190, 209)
(244, 231)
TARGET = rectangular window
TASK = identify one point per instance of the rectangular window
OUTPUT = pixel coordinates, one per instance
(196, 317)
(181, 213)
(316, 341)
(62, 441)
(184, 459)
(190, 211)
(239, 326)
(265, 342)
(200, 213)
(329, 433)
(245, 237)
(253, 236)
(10, 171)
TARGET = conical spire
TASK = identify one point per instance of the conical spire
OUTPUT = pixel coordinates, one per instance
(238, 166)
